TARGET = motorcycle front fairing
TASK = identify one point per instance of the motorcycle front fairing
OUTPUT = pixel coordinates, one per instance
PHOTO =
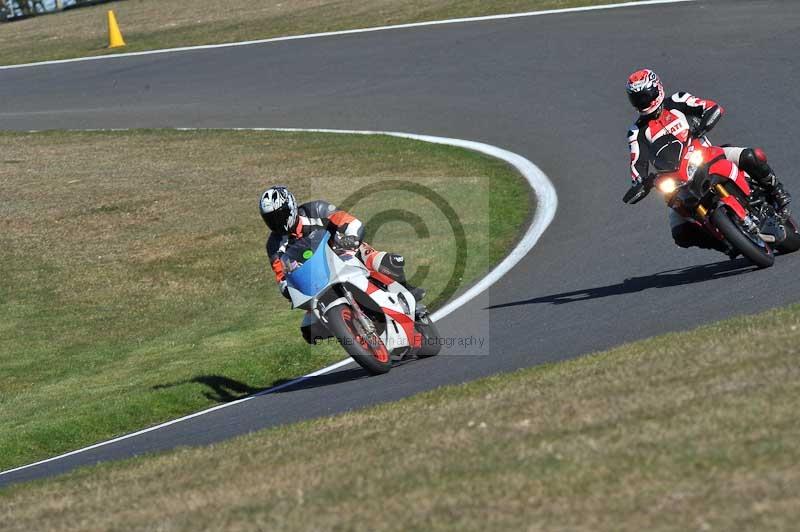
(667, 161)
(667, 152)
(716, 173)
(692, 175)
(313, 269)
(321, 268)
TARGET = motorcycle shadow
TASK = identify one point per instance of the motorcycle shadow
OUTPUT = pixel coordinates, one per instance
(329, 379)
(221, 389)
(665, 279)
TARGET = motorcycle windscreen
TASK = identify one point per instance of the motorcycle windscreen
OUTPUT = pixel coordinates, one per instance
(667, 152)
(312, 276)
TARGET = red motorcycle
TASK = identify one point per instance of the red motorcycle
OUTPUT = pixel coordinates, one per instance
(699, 183)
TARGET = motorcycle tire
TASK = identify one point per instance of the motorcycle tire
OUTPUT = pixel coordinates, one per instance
(430, 338)
(792, 241)
(763, 257)
(372, 355)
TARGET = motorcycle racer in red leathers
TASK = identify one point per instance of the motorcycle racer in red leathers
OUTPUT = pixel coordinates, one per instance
(684, 115)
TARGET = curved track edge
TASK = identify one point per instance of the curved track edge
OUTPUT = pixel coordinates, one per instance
(348, 32)
(545, 210)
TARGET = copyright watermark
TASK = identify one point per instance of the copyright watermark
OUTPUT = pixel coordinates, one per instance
(459, 342)
(414, 213)
(439, 225)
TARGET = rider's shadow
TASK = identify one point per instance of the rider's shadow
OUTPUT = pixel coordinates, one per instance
(224, 389)
(665, 279)
(221, 389)
(328, 379)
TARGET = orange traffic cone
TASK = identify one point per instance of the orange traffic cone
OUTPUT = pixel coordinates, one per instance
(115, 39)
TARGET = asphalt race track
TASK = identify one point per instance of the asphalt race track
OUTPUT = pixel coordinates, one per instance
(550, 88)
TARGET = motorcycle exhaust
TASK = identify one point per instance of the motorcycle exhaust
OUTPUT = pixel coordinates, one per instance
(769, 239)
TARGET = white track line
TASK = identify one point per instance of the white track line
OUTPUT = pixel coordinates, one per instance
(547, 200)
(350, 32)
(546, 205)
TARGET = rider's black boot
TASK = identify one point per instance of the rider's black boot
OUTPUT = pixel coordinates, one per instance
(780, 196)
(393, 265)
(754, 162)
(416, 291)
(419, 294)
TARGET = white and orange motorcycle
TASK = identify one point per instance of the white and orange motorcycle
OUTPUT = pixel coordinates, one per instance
(374, 318)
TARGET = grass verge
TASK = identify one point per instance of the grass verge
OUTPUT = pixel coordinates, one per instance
(134, 283)
(154, 24)
(687, 431)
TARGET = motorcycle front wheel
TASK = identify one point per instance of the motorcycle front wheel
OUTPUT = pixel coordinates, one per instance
(368, 351)
(760, 255)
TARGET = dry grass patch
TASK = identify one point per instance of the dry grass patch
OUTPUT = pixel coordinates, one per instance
(133, 265)
(689, 431)
(152, 24)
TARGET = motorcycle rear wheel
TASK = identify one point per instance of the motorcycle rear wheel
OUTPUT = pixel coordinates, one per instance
(762, 257)
(792, 241)
(430, 338)
(370, 353)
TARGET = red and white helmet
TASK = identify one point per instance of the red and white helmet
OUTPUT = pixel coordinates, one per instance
(645, 91)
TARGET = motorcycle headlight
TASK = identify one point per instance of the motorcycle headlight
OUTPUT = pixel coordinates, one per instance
(695, 160)
(667, 186)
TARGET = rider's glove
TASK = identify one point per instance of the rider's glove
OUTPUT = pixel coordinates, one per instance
(344, 242)
(695, 126)
(285, 290)
(638, 191)
(710, 119)
(700, 126)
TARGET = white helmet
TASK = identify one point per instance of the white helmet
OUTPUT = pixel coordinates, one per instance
(278, 209)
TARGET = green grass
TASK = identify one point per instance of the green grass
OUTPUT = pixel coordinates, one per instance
(134, 283)
(154, 24)
(688, 431)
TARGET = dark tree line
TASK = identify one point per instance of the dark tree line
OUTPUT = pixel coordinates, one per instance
(20, 8)
(17, 9)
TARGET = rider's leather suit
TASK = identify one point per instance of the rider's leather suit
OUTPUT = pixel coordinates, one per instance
(683, 115)
(320, 214)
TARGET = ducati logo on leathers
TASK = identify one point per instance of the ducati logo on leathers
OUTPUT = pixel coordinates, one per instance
(677, 126)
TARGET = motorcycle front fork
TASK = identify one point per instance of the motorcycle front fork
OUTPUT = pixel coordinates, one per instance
(363, 320)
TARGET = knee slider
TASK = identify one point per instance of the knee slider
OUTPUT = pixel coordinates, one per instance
(753, 156)
(684, 235)
(748, 158)
(754, 162)
(393, 265)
